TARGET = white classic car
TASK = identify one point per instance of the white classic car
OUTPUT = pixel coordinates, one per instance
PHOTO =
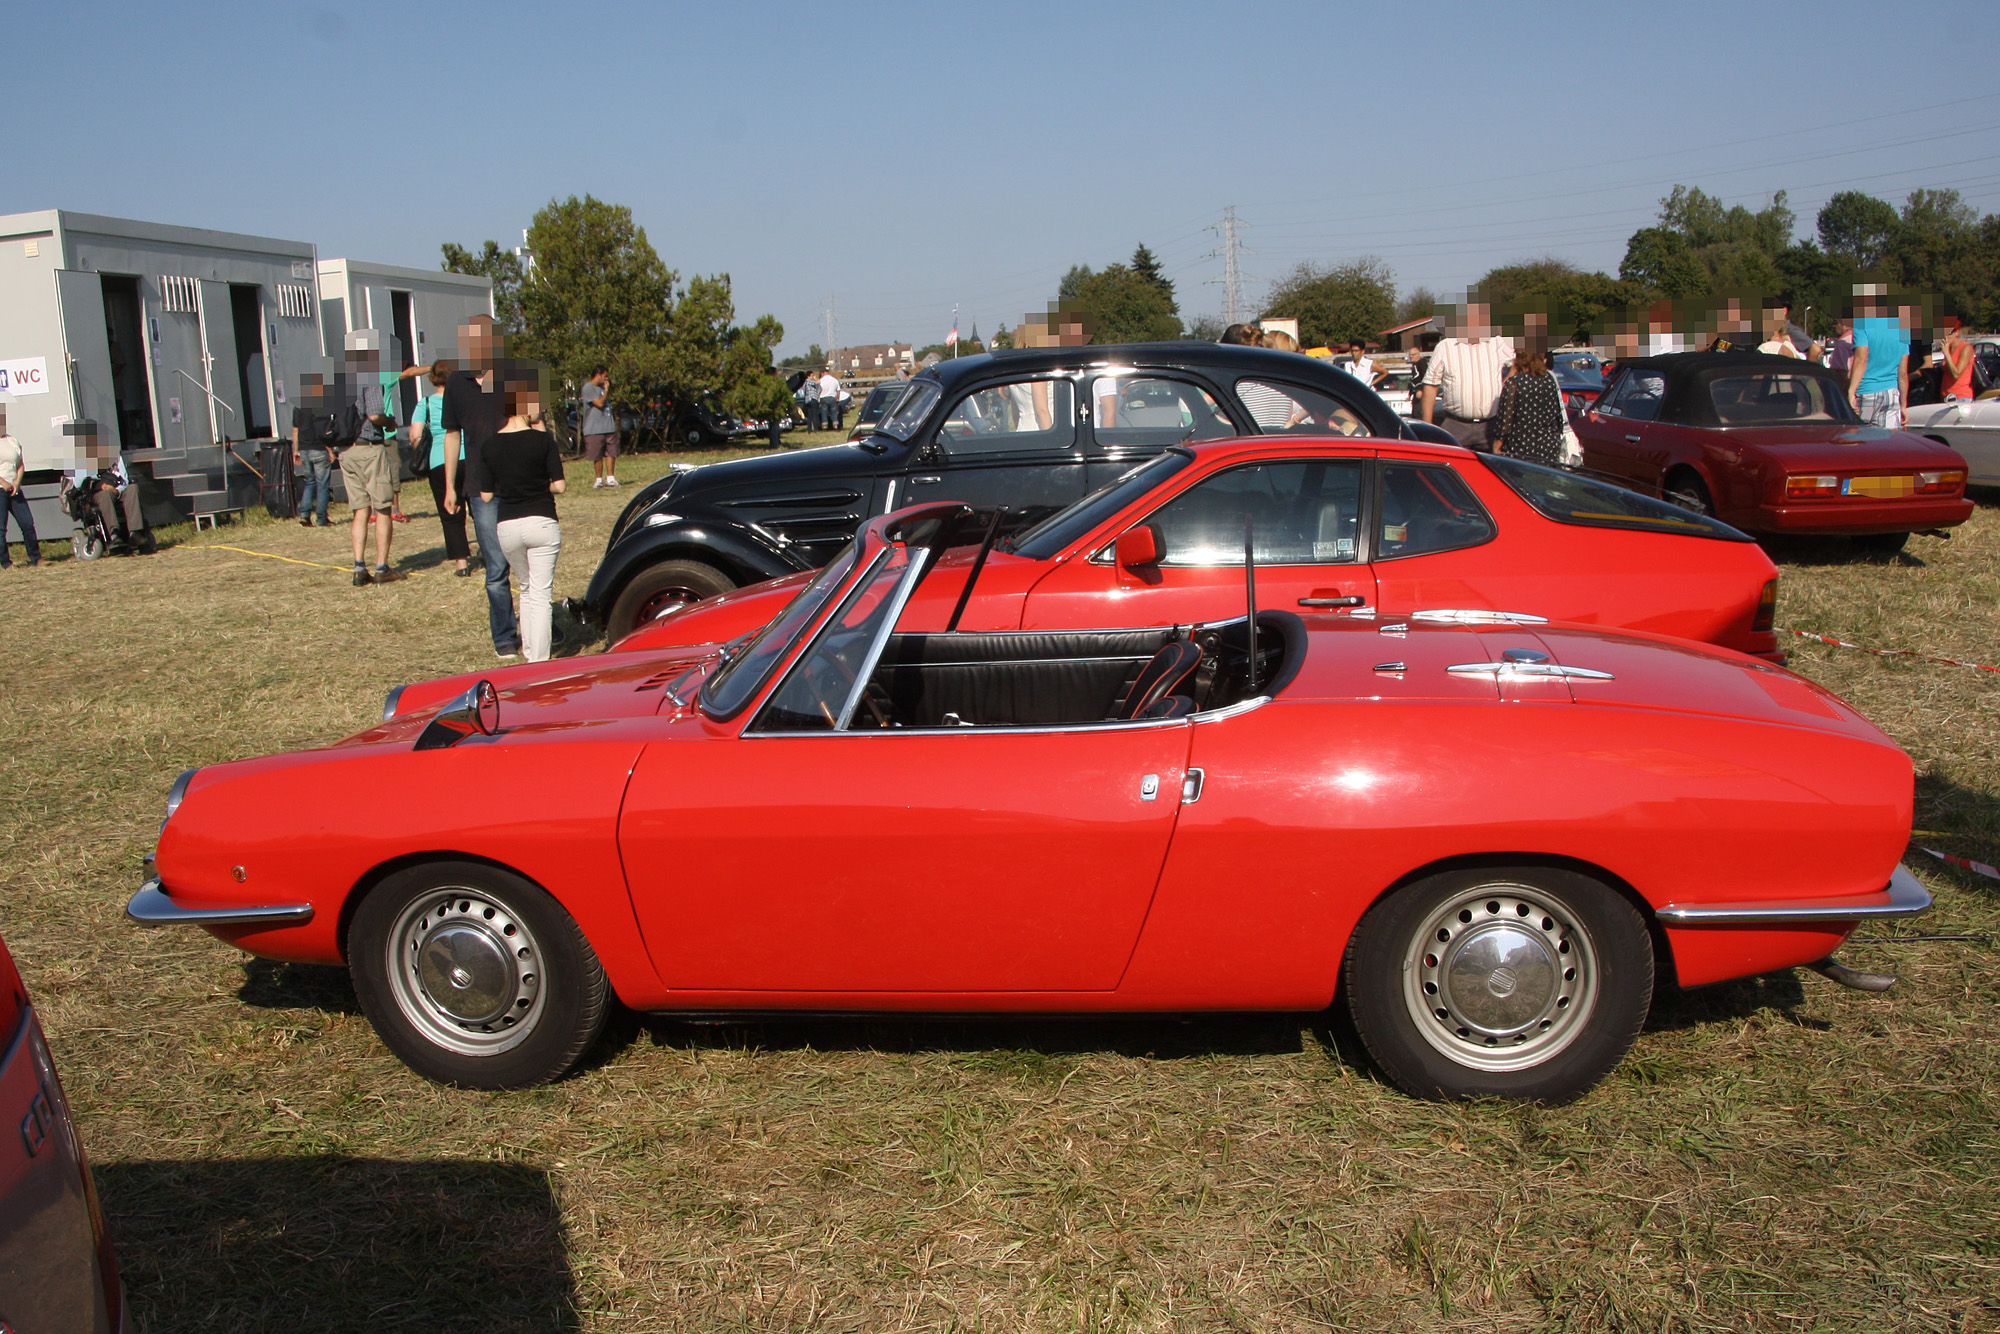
(1973, 429)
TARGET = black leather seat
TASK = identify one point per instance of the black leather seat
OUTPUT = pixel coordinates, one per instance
(1173, 706)
(1163, 676)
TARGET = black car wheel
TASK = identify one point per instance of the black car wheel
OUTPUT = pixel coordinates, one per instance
(1518, 982)
(658, 589)
(475, 977)
(1882, 544)
(1686, 489)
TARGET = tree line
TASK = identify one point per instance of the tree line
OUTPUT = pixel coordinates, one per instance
(596, 293)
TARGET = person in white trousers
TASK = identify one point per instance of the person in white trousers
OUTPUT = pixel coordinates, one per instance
(521, 467)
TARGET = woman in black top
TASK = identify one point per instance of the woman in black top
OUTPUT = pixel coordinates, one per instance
(1529, 424)
(521, 468)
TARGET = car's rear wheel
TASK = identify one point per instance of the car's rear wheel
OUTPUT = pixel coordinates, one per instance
(475, 977)
(659, 589)
(1882, 544)
(1518, 982)
(1686, 489)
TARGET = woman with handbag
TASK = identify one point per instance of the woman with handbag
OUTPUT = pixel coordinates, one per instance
(1531, 423)
(522, 468)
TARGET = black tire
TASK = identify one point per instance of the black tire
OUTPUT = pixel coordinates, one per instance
(1883, 544)
(1425, 969)
(475, 977)
(1686, 489)
(659, 588)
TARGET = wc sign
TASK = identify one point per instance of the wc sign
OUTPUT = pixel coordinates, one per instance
(24, 375)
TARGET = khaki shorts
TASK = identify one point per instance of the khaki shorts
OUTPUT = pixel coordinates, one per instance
(369, 470)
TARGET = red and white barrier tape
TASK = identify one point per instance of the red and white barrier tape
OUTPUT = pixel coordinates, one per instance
(1888, 652)
(1966, 863)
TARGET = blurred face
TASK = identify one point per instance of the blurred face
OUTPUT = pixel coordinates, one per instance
(481, 341)
(1478, 321)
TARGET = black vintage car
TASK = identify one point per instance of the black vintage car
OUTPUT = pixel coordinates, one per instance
(1027, 431)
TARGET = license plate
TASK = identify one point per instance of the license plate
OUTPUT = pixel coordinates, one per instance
(1879, 488)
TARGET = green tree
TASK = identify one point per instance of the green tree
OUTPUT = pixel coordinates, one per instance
(706, 351)
(1071, 286)
(1857, 227)
(502, 266)
(1001, 339)
(1334, 305)
(811, 359)
(1147, 266)
(1124, 306)
(1415, 304)
(1204, 329)
(1662, 259)
(1574, 299)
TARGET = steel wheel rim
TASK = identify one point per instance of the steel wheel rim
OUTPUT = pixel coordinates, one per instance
(1501, 977)
(466, 971)
(664, 601)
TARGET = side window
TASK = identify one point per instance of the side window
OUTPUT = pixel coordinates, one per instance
(1304, 514)
(1144, 412)
(1028, 416)
(1281, 408)
(1426, 509)
(1635, 395)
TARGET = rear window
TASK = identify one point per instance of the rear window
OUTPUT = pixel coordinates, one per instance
(1776, 399)
(1569, 498)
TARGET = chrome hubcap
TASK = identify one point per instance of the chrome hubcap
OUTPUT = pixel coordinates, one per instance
(1500, 978)
(466, 972)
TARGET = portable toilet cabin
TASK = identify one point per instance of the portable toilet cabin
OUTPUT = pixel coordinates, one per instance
(176, 343)
(416, 311)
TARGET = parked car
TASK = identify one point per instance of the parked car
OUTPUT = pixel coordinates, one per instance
(873, 408)
(1027, 431)
(1483, 838)
(57, 1270)
(1375, 527)
(1972, 429)
(1770, 445)
(1581, 375)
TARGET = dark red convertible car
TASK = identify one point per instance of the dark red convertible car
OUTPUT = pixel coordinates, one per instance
(1769, 445)
(1487, 840)
(57, 1271)
(1382, 527)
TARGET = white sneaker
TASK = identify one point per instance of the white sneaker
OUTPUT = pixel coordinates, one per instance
(596, 482)
(611, 481)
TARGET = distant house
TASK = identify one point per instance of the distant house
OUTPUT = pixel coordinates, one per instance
(872, 358)
(1404, 336)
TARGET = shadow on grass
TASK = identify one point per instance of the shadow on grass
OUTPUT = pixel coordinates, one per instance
(1824, 551)
(1781, 993)
(1963, 821)
(327, 1242)
(270, 985)
(1143, 1037)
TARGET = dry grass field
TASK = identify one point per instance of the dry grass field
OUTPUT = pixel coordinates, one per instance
(1778, 1154)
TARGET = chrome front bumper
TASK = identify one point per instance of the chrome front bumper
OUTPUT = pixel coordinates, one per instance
(151, 907)
(1903, 897)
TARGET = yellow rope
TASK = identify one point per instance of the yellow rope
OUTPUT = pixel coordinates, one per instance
(292, 560)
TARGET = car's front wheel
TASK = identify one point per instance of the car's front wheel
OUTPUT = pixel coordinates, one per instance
(659, 589)
(475, 977)
(1519, 982)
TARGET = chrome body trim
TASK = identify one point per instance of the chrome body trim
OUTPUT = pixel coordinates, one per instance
(1516, 669)
(866, 672)
(1474, 616)
(389, 702)
(152, 907)
(177, 793)
(1903, 896)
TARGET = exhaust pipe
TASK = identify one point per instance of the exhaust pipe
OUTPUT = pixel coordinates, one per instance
(1835, 971)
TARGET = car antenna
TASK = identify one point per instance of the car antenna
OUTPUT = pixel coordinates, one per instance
(978, 564)
(1250, 590)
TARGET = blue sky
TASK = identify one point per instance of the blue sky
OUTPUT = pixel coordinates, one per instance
(897, 159)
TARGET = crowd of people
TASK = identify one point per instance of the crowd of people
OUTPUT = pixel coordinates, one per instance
(822, 401)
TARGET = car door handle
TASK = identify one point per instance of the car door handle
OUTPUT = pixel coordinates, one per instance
(1633, 438)
(1351, 601)
(925, 481)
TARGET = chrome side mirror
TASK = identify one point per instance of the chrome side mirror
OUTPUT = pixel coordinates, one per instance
(476, 711)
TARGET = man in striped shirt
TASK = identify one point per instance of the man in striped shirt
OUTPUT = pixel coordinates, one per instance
(1462, 384)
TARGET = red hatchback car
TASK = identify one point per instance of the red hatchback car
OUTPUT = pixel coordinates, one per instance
(1770, 445)
(1371, 526)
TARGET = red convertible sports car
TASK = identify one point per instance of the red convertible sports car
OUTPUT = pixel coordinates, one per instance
(1486, 838)
(1770, 445)
(1376, 526)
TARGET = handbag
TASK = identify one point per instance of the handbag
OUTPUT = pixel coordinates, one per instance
(1572, 455)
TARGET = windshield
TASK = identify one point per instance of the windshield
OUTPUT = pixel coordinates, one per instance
(726, 692)
(1063, 527)
(1569, 498)
(1777, 399)
(824, 688)
(910, 411)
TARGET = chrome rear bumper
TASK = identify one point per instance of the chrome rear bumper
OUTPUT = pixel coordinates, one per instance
(1903, 897)
(151, 907)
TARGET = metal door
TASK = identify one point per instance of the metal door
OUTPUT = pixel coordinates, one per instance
(218, 351)
(88, 393)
